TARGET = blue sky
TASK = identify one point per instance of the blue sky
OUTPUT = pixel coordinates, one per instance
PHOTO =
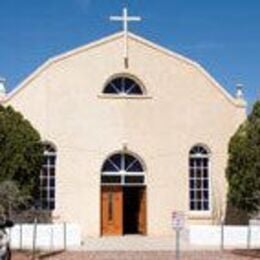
(223, 36)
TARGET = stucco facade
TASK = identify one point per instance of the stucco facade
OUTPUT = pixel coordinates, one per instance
(182, 106)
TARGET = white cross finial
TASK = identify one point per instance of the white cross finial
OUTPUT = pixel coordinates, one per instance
(125, 19)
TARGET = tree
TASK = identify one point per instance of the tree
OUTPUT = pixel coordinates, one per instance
(13, 198)
(243, 171)
(20, 154)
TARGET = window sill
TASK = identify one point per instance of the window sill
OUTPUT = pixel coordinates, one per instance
(200, 214)
(112, 96)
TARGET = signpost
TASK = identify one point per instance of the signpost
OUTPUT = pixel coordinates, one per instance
(178, 222)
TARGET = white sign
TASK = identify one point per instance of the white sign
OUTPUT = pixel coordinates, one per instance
(178, 220)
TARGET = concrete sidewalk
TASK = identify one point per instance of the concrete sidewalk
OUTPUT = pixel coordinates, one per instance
(145, 255)
(139, 243)
(146, 243)
(130, 243)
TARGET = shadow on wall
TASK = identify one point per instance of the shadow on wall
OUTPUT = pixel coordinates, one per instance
(28, 216)
(235, 216)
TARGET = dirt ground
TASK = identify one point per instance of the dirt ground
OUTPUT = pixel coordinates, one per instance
(189, 255)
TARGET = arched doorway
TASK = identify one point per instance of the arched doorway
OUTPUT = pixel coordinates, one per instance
(123, 195)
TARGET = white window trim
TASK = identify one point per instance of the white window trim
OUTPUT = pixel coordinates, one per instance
(124, 174)
(48, 178)
(205, 214)
(123, 96)
(124, 76)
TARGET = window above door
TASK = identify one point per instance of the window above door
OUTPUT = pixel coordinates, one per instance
(124, 169)
(124, 86)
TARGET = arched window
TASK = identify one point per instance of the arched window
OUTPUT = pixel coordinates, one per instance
(123, 86)
(122, 168)
(47, 178)
(199, 179)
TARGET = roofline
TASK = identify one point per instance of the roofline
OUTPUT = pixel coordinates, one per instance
(188, 61)
(112, 37)
(58, 58)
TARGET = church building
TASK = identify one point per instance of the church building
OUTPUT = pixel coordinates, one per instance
(133, 133)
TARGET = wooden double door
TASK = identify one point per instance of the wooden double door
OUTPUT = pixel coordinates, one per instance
(123, 210)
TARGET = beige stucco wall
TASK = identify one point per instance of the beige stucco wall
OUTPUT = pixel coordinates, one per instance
(183, 107)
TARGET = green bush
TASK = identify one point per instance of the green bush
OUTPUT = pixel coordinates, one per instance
(243, 171)
(20, 158)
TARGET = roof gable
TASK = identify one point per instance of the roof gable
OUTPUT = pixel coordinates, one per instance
(113, 37)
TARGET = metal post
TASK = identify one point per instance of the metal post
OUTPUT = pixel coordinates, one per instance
(249, 236)
(222, 236)
(52, 238)
(34, 239)
(65, 235)
(21, 236)
(177, 249)
(10, 236)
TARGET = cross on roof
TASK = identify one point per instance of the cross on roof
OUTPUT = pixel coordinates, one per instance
(125, 19)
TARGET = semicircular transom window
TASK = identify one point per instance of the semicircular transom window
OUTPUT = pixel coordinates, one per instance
(198, 151)
(122, 168)
(123, 86)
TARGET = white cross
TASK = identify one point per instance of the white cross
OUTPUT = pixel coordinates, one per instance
(125, 19)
